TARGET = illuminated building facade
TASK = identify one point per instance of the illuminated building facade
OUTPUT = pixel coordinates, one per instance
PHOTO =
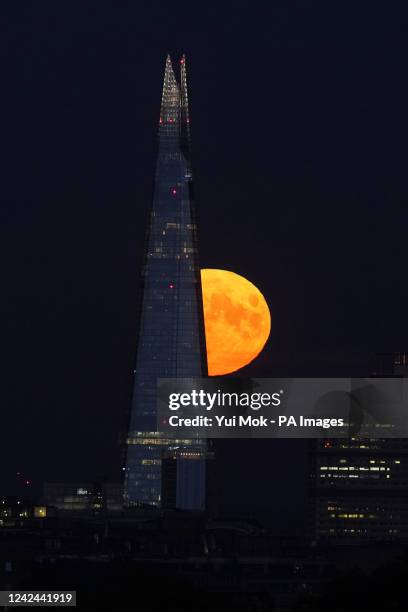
(171, 341)
(360, 486)
(15, 512)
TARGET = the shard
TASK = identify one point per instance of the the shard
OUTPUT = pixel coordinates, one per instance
(171, 340)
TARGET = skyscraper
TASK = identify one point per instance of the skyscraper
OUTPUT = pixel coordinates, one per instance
(359, 485)
(171, 340)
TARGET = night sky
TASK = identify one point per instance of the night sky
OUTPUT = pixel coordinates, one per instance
(299, 125)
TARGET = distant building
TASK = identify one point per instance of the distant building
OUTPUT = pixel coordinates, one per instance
(188, 480)
(393, 364)
(16, 512)
(84, 497)
(359, 486)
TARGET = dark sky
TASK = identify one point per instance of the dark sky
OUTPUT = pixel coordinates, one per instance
(299, 121)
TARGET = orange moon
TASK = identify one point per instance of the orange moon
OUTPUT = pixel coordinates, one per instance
(237, 320)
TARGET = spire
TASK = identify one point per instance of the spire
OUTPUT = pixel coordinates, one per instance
(183, 86)
(185, 118)
(171, 96)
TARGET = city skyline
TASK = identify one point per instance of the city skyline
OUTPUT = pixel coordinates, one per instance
(299, 151)
(242, 235)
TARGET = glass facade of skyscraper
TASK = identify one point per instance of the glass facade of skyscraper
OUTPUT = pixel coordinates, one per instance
(171, 340)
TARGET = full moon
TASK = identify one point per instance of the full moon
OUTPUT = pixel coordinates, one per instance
(237, 320)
